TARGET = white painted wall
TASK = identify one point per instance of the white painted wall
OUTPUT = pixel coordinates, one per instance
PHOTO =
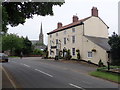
(92, 27)
(95, 27)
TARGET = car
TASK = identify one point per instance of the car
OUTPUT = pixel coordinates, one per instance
(3, 57)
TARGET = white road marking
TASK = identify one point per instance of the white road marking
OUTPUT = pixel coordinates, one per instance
(44, 72)
(21, 63)
(13, 61)
(13, 84)
(26, 65)
(76, 86)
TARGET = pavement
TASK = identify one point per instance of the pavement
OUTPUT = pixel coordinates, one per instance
(34, 72)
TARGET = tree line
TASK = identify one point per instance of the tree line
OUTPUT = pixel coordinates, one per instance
(16, 44)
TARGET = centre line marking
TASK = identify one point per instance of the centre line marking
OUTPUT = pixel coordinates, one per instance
(44, 72)
(26, 65)
(21, 63)
(76, 86)
(13, 61)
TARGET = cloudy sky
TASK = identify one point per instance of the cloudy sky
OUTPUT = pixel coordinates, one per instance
(108, 12)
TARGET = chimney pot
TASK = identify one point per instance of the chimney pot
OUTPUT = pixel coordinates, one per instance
(75, 18)
(94, 11)
(59, 25)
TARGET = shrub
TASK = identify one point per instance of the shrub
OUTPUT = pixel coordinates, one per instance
(68, 55)
(100, 63)
(101, 68)
(56, 57)
(89, 61)
(77, 50)
(78, 54)
(37, 52)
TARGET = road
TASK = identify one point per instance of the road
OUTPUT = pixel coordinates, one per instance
(34, 72)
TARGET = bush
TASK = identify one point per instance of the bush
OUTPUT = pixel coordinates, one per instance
(78, 54)
(89, 61)
(101, 68)
(77, 50)
(100, 63)
(68, 55)
(56, 57)
(37, 52)
(45, 55)
(105, 68)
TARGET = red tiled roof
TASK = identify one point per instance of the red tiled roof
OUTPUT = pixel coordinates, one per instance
(69, 25)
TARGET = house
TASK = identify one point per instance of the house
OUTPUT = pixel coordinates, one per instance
(88, 35)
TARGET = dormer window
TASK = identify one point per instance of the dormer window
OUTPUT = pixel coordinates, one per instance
(73, 29)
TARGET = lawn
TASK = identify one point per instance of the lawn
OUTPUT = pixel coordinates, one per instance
(106, 75)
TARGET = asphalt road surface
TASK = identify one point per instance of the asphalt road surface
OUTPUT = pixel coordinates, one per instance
(34, 72)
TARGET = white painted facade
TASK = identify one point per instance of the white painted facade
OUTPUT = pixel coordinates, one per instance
(92, 26)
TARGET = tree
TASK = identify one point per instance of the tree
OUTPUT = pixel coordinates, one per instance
(15, 13)
(16, 44)
(4, 20)
(27, 47)
(11, 42)
(115, 48)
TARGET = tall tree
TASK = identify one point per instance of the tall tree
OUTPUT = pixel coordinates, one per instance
(16, 44)
(115, 48)
(15, 13)
(11, 42)
(27, 46)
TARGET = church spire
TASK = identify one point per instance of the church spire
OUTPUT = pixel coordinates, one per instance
(41, 29)
(41, 35)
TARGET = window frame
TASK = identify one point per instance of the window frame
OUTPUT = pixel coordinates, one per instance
(73, 39)
(90, 54)
(56, 41)
(73, 29)
(65, 41)
(73, 51)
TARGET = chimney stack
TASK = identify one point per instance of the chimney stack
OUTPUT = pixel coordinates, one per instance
(94, 11)
(59, 25)
(75, 18)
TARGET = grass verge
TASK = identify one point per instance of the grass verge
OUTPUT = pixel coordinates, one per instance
(107, 76)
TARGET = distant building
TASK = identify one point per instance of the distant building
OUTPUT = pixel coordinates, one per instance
(88, 35)
(39, 44)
